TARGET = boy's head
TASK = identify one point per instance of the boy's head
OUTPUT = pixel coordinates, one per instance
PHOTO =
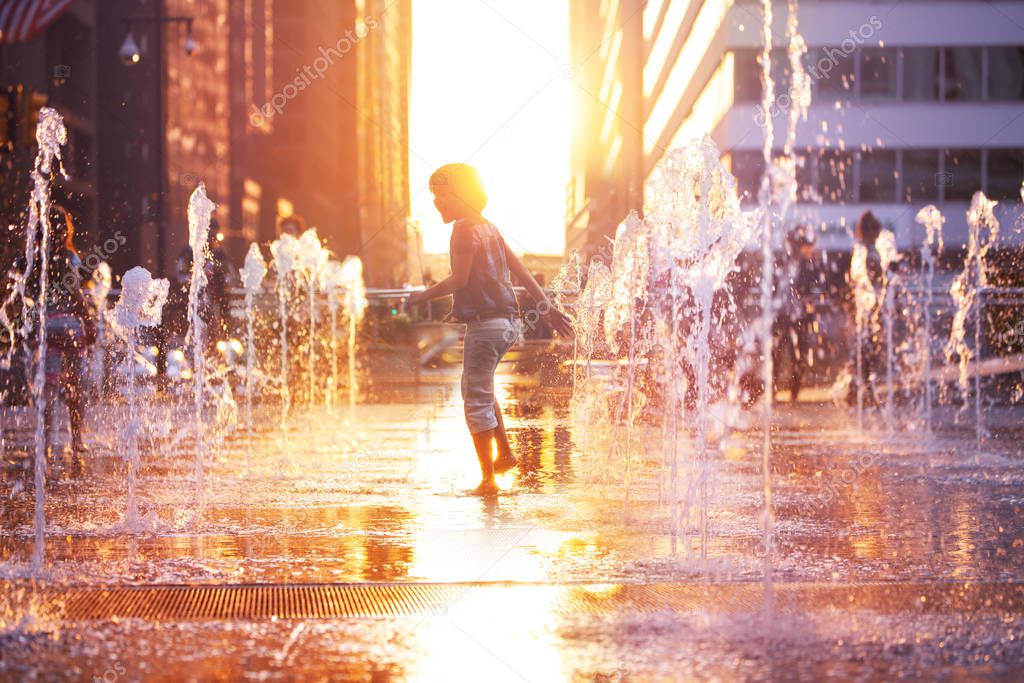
(868, 229)
(458, 192)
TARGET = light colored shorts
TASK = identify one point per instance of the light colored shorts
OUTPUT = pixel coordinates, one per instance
(485, 344)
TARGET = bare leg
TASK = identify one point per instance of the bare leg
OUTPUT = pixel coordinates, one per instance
(506, 460)
(75, 415)
(482, 442)
(48, 421)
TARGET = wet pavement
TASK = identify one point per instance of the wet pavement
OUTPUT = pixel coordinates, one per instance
(896, 554)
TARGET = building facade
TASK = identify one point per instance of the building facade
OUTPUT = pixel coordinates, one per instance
(55, 68)
(388, 241)
(913, 103)
(284, 111)
(309, 142)
(169, 121)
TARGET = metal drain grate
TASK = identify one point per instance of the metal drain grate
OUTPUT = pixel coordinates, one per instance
(163, 603)
(332, 601)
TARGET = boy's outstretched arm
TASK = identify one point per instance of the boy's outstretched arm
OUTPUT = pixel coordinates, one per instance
(559, 321)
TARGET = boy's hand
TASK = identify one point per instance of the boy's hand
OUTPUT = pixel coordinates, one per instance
(559, 322)
(414, 299)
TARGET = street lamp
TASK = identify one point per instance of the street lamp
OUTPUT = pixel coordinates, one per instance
(190, 44)
(131, 55)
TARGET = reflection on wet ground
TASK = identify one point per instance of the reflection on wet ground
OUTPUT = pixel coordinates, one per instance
(380, 494)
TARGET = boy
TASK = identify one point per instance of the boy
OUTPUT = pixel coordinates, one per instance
(482, 297)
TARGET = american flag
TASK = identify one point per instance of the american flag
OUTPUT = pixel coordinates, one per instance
(22, 20)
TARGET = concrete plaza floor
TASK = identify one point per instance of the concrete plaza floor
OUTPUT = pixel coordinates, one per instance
(345, 546)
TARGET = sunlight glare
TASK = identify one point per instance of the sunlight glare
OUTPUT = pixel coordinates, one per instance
(486, 90)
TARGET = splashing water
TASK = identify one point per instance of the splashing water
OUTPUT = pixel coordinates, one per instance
(699, 231)
(51, 135)
(312, 259)
(592, 301)
(102, 281)
(667, 269)
(253, 273)
(589, 332)
(333, 286)
(967, 296)
(284, 252)
(354, 304)
(630, 280)
(568, 282)
(932, 219)
(885, 244)
(865, 299)
(140, 305)
(200, 209)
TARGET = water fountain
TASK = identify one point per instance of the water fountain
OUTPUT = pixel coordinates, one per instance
(284, 252)
(200, 209)
(312, 258)
(698, 232)
(140, 305)
(865, 299)
(886, 247)
(589, 333)
(568, 282)
(253, 272)
(334, 289)
(667, 289)
(354, 304)
(778, 188)
(630, 280)
(967, 292)
(51, 135)
(99, 292)
(668, 277)
(931, 218)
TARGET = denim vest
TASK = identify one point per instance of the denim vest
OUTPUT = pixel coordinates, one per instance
(488, 293)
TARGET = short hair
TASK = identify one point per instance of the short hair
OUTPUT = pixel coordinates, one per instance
(868, 228)
(464, 181)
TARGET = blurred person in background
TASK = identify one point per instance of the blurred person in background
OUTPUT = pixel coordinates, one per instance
(866, 234)
(795, 322)
(70, 328)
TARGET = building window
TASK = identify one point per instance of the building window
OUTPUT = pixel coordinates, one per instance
(782, 73)
(833, 72)
(878, 69)
(920, 73)
(805, 175)
(963, 74)
(251, 209)
(920, 175)
(748, 167)
(961, 176)
(1006, 73)
(746, 76)
(1005, 169)
(878, 176)
(835, 175)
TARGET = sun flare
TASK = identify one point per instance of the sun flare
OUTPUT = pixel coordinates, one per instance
(486, 90)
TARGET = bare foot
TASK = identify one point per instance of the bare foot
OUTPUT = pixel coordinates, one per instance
(486, 488)
(504, 463)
